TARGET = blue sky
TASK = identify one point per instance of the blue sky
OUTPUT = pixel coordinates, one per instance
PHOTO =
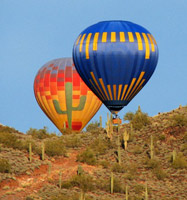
(33, 32)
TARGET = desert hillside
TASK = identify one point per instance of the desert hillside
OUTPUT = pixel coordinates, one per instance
(142, 158)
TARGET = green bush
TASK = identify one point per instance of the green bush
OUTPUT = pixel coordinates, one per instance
(138, 119)
(137, 150)
(118, 186)
(54, 147)
(100, 146)
(160, 173)
(139, 189)
(4, 166)
(179, 120)
(104, 163)
(73, 142)
(151, 163)
(116, 167)
(87, 156)
(92, 126)
(84, 182)
(179, 162)
(7, 129)
(40, 134)
(10, 140)
(128, 116)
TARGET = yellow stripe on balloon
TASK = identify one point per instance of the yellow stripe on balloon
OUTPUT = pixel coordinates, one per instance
(131, 38)
(104, 89)
(137, 82)
(100, 95)
(96, 36)
(104, 37)
(147, 50)
(132, 83)
(78, 40)
(124, 90)
(139, 40)
(154, 40)
(97, 84)
(81, 42)
(110, 92)
(122, 36)
(152, 44)
(113, 36)
(119, 91)
(114, 91)
(87, 45)
(137, 90)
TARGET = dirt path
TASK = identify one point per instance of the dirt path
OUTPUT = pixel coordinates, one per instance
(28, 184)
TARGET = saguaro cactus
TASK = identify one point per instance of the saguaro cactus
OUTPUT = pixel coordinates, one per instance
(82, 195)
(119, 125)
(60, 179)
(43, 151)
(69, 101)
(49, 168)
(100, 119)
(30, 152)
(131, 129)
(112, 183)
(152, 148)
(146, 192)
(125, 138)
(118, 151)
(126, 193)
(174, 156)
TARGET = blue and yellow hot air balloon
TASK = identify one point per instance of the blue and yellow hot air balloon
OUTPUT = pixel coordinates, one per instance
(115, 59)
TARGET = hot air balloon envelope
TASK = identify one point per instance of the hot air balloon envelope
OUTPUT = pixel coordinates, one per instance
(63, 96)
(115, 59)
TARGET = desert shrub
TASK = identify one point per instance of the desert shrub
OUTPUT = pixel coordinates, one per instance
(137, 150)
(92, 126)
(138, 189)
(104, 163)
(100, 146)
(160, 173)
(103, 184)
(10, 140)
(185, 137)
(40, 134)
(116, 167)
(4, 166)
(131, 171)
(25, 145)
(7, 129)
(84, 182)
(118, 186)
(87, 156)
(138, 119)
(73, 142)
(54, 147)
(179, 120)
(161, 137)
(179, 162)
(67, 184)
(151, 163)
(128, 116)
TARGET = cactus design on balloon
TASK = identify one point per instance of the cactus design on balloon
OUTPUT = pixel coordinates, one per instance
(70, 108)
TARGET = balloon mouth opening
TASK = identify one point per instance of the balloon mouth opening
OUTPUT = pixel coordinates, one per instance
(115, 106)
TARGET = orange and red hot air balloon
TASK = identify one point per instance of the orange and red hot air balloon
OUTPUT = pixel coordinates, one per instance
(63, 96)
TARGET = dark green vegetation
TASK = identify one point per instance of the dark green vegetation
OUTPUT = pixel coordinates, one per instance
(155, 155)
